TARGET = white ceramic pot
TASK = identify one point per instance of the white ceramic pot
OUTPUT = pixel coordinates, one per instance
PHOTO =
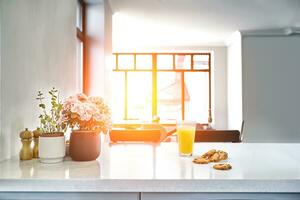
(52, 148)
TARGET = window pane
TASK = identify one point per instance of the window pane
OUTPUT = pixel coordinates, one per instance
(169, 95)
(196, 105)
(144, 61)
(126, 61)
(164, 62)
(118, 91)
(140, 95)
(114, 62)
(183, 61)
(201, 61)
(79, 16)
(139, 90)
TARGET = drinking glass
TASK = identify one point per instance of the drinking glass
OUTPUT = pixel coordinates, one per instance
(185, 137)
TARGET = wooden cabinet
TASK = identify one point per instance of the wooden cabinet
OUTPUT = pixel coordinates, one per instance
(66, 196)
(144, 196)
(218, 196)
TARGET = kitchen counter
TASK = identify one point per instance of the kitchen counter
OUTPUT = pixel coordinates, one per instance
(257, 168)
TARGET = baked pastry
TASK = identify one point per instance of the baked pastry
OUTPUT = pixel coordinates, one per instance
(209, 153)
(225, 166)
(211, 156)
(201, 160)
(223, 155)
(215, 157)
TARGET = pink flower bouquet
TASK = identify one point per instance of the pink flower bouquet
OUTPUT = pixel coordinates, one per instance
(86, 113)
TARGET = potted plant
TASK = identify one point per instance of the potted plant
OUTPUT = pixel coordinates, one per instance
(52, 140)
(87, 117)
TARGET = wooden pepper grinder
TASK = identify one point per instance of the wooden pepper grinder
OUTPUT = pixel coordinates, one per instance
(36, 135)
(26, 151)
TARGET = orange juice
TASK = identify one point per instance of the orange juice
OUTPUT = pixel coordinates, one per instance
(186, 137)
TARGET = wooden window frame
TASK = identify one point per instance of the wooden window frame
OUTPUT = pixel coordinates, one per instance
(81, 35)
(154, 71)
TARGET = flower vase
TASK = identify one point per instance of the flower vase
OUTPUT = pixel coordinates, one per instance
(84, 145)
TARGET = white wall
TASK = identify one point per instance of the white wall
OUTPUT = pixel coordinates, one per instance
(234, 81)
(38, 49)
(1, 140)
(108, 50)
(271, 88)
(95, 49)
(99, 47)
(219, 87)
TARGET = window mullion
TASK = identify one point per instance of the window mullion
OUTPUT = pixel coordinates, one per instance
(209, 90)
(182, 96)
(126, 96)
(154, 85)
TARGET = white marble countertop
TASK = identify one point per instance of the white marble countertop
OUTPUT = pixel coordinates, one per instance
(147, 168)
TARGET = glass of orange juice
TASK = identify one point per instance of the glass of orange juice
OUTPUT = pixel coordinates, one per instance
(185, 137)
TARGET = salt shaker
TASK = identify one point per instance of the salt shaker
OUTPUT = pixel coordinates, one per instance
(26, 139)
(36, 135)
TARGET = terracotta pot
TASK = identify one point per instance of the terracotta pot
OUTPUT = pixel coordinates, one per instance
(84, 145)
